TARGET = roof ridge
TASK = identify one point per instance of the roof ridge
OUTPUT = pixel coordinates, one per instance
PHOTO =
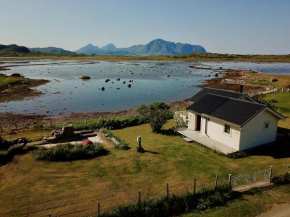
(256, 103)
(224, 90)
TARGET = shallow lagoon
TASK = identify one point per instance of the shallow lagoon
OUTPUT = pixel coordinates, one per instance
(67, 93)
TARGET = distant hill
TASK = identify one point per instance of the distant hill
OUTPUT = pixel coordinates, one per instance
(161, 47)
(109, 47)
(155, 47)
(13, 48)
(54, 50)
(88, 49)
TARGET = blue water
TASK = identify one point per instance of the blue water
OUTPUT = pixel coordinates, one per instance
(67, 93)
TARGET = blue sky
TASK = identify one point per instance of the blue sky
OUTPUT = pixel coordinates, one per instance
(221, 26)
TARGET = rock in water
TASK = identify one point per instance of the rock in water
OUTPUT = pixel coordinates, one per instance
(85, 77)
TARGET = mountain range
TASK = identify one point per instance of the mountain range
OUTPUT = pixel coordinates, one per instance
(13, 48)
(155, 47)
(55, 50)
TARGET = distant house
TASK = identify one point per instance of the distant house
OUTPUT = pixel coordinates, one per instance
(229, 121)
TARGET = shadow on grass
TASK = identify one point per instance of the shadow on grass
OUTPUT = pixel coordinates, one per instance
(151, 152)
(284, 131)
(279, 149)
(169, 132)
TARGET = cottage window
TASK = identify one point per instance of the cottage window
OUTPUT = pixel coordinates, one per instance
(266, 125)
(227, 129)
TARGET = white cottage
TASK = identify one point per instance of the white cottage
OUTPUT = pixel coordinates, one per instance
(229, 121)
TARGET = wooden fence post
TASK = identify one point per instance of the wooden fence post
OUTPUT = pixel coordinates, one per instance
(194, 187)
(15, 124)
(216, 181)
(139, 198)
(230, 179)
(270, 173)
(98, 210)
(167, 191)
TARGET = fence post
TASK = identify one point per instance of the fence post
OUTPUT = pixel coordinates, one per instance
(230, 180)
(270, 174)
(15, 123)
(139, 198)
(98, 210)
(216, 181)
(167, 191)
(194, 187)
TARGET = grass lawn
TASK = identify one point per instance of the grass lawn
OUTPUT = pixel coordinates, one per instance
(30, 187)
(250, 204)
(282, 104)
(283, 80)
(30, 135)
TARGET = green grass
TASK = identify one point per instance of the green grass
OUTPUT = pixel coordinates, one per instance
(283, 101)
(262, 83)
(250, 204)
(282, 105)
(6, 80)
(29, 135)
(183, 57)
(74, 188)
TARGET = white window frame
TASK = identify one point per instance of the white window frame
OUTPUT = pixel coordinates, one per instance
(225, 133)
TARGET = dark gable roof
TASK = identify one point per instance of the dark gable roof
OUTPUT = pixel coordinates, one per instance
(219, 92)
(231, 110)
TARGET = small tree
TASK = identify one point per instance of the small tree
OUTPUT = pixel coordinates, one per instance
(260, 98)
(156, 114)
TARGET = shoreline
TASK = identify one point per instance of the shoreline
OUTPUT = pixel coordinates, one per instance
(218, 76)
(19, 88)
(182, 58)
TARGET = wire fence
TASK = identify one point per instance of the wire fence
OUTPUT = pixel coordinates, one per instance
(45, 124)
(78, 204)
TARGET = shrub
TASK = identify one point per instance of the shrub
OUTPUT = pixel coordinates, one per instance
(156, 114)
(7, 155)
(110, 123)
(122, 146)
(238, 154)
(281, 178)
(70, 152)
(175, 204)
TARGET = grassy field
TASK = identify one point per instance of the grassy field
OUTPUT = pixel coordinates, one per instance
(283, 80)
(6, 80)
(250, 204)
(33, 188)
(183, 57)
(30, 135)
(282, 105)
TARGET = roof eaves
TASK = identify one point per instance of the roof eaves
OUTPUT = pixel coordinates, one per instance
(276, 113)
(262, 109)
(221, 120)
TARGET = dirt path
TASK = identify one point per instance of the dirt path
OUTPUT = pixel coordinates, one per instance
(279, 211)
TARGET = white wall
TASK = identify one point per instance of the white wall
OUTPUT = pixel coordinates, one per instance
(254, 134)
(191, 121)
(215, 130)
